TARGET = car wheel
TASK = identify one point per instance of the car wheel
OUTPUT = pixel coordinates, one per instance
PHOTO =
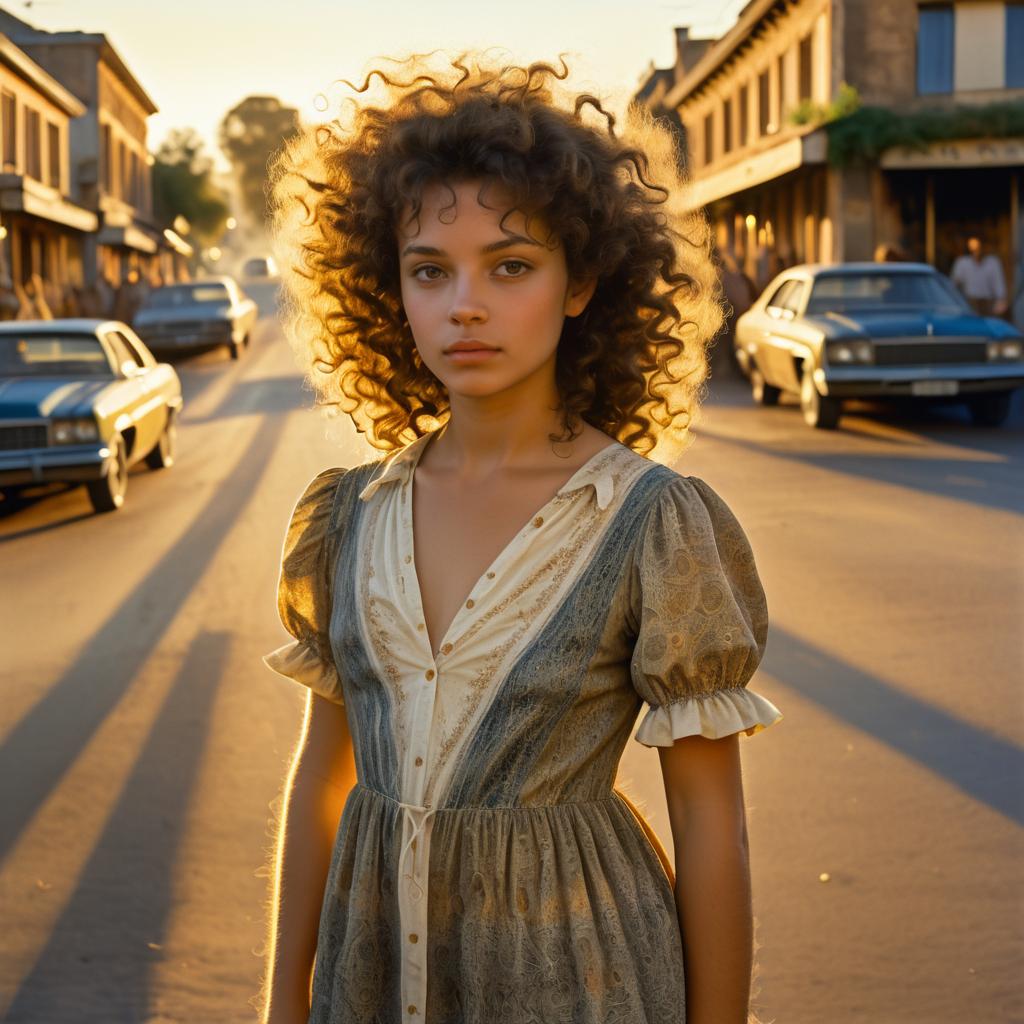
(819, 411)
(763, 392)
(992, 409)
(162, 456)
(107, 495)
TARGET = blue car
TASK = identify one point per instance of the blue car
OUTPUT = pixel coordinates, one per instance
(81, 401)
(876, 330)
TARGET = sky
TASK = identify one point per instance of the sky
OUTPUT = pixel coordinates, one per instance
(198, 58)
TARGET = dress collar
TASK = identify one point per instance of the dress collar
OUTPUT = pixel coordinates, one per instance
(597, 471)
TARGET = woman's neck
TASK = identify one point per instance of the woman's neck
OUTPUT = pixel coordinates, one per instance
(506, 430)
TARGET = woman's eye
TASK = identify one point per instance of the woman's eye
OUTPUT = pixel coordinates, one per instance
(428, 272)
(516, 268)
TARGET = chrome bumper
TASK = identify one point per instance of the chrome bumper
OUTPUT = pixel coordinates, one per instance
(949, 381)
(74, 463)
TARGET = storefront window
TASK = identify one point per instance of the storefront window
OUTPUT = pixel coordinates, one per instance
(935, 27)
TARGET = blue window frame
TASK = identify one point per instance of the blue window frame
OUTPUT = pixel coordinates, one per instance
(1015, 46)
(935, 27)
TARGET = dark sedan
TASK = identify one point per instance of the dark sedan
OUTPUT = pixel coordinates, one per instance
(81, 401)
(201, 314)
(872, 330)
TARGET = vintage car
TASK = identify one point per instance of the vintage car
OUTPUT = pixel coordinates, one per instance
(201, 314)
(82, 401)
(876, 330)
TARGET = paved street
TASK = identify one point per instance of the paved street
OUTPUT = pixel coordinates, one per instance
(143, 743)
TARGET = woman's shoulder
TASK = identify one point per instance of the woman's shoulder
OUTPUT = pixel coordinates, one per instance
(682, 503)
(313, 509)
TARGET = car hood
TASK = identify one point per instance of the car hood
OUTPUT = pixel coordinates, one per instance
(35, 397)
(909, 324)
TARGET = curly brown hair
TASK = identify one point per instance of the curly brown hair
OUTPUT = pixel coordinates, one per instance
(633, 365)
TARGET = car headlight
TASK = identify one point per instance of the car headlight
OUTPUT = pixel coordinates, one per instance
(1012, 349)
(845, 353)
(75, 431)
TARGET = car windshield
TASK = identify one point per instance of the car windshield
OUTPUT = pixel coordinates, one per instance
(847, 293)
(53, 355)
(186, 295)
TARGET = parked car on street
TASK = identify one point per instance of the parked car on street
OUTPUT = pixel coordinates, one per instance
(874, 330)
(196, 315)
(260, 268)
(81, 401)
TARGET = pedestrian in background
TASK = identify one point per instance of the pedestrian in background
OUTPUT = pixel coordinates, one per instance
(508, 297)
(979, 275)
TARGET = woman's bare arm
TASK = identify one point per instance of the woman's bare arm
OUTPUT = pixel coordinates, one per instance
(319, 781)
(704, 789)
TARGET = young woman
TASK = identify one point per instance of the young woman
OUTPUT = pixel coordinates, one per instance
(506, 299)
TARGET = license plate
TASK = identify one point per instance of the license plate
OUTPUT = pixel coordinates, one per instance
(934, 387)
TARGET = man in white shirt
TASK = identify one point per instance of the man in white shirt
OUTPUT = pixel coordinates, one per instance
(980, 277)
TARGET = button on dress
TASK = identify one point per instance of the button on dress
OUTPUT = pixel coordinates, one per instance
(486, 870)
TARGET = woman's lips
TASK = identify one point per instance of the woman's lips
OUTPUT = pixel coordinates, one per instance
(470, 352)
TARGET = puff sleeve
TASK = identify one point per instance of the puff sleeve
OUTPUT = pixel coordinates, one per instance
(304, 591)
(702, 620)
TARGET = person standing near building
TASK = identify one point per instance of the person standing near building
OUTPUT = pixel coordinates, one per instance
(979, 276)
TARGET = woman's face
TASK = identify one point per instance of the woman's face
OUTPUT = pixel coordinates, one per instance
(485, 303)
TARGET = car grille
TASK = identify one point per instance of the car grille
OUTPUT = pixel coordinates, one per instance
(23, 435)
(930, 352)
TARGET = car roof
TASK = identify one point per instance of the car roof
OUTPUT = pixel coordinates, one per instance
(861, 267)
(75, 325)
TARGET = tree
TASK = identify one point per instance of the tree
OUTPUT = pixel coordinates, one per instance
(251, 135)
(183, 186)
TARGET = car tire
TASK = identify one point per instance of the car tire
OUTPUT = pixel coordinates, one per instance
(819, 411)
(162, 455)
(107, 495)
(991, 409)
(762, 392)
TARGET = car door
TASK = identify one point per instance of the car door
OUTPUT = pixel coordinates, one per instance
(776, 360)
(790, 336)
(147, 410)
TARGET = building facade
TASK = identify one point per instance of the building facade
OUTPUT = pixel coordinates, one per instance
(43, 233)
(111, 165)
(758, 108)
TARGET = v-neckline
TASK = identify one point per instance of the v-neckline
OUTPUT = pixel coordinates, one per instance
(411, 527)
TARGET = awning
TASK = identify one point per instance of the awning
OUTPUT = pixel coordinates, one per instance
(955, 153)
(800, 151)
(19, 194)
(127, 237)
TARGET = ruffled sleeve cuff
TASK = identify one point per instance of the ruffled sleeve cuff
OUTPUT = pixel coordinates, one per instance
(716, 715)
(302, 662)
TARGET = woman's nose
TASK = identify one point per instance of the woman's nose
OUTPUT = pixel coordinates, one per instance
(466, 307)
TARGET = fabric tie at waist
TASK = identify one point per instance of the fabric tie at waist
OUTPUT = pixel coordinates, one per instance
(418, 817)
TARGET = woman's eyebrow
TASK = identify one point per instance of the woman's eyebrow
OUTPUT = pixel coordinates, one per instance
(505, 243)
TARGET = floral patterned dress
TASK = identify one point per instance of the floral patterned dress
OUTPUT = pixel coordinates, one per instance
(486, 870)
